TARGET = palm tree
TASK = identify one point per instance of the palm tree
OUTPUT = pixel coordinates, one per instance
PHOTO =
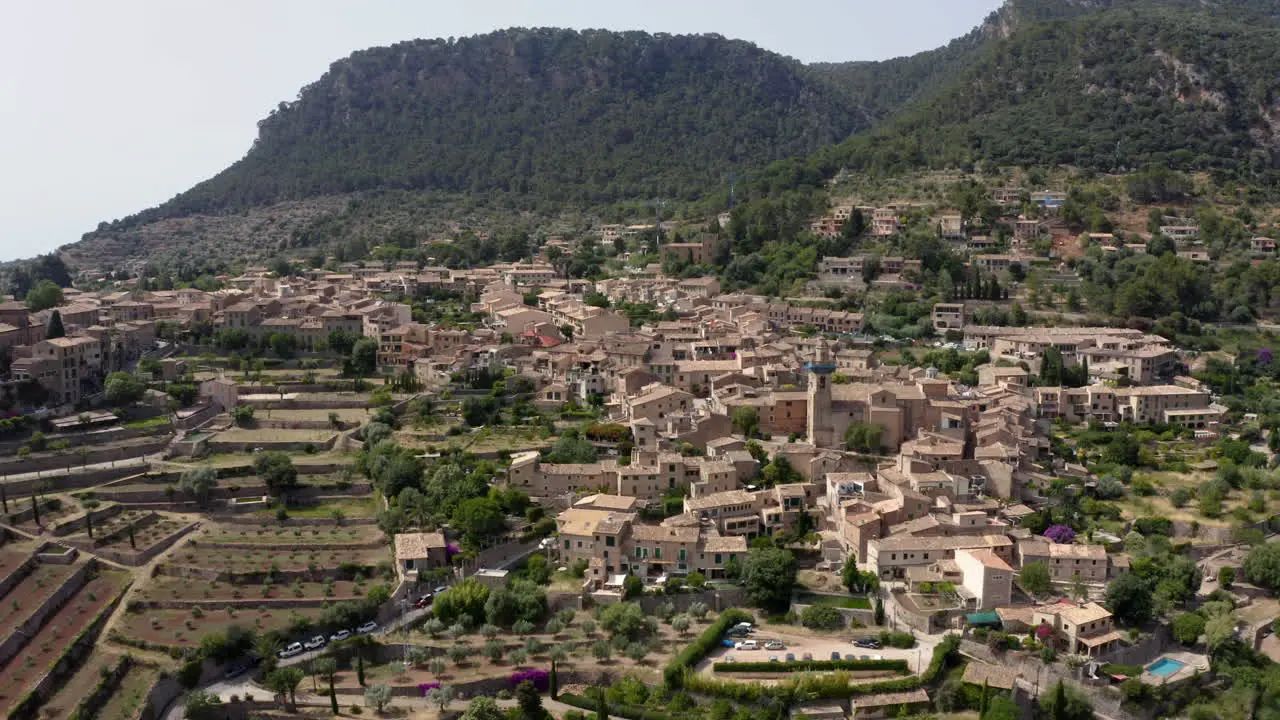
(284, 681)
(266, 646)
(327, 669)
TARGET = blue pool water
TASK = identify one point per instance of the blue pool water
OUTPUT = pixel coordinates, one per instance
(1164, 667)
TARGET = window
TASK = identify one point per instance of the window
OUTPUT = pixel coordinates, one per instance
(718, 561)
(609, 541)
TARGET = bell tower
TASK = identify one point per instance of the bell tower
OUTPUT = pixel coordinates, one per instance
(821, 432)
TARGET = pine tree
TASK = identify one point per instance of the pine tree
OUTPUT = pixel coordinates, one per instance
(54, 328)
(553, 681)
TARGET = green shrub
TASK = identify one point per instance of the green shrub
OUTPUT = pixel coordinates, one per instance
(673, 674)
(822, 617)
(900, 640)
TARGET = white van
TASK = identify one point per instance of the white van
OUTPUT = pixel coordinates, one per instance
(747, 645)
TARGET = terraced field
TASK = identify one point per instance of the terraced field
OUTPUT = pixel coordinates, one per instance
(29, 594)
(184, 628)
(58, 632)
(169, 589)
(272, 533)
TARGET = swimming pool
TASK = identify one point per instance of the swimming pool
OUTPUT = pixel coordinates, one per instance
(1164, 667)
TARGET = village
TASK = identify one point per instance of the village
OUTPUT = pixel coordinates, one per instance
(362, 450)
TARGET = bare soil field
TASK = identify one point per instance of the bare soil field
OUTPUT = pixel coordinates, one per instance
(271, 533)
(266, 436)
(280, 557)
(182, 628)
(177, 589)
(58, 632)
(29, 594)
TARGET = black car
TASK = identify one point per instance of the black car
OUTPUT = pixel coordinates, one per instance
(236, 670)
(867, 643)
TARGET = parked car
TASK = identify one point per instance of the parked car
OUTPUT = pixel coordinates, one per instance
(747, 645)
(848, 656)
(290, 650)
(791, 657)
(236, 670)
(729, 658)
(745, 626)
(867, 643)
(314, 643)
(773, 658)
(835, 654)
(423, 601)
(367, 628)
(340, 636)
(774, 645)
(727, 643)
(808, 656)
(440, 589)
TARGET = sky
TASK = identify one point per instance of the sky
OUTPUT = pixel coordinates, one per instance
(108, 108)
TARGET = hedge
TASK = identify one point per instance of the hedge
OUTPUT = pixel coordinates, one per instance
(629, 712)
(899, 666)
(693, 653)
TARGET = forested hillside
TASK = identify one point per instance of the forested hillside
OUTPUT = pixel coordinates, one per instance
(540, 121)
(584, 117)
(1145, 83)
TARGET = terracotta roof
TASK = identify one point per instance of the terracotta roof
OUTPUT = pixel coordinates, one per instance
(417, 545)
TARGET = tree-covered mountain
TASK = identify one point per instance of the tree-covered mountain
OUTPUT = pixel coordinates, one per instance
(582, 117)
(1104, 84)
(540, 120)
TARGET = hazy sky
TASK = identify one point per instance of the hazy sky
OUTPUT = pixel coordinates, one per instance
(107, 108)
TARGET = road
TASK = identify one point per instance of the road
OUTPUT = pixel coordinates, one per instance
(244, 685)
(140, 463)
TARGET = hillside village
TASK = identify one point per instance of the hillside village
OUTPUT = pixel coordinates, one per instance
(417, 452)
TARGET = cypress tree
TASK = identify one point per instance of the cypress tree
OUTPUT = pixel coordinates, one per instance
(602, 706)
(54, 328)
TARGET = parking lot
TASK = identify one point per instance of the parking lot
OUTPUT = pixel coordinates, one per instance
(798, 641)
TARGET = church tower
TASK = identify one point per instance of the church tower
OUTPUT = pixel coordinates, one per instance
(821, 432)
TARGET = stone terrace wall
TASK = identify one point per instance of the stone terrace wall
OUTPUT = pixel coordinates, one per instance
(18, 636)
(68, 664)
(76, 479)
(68, 459)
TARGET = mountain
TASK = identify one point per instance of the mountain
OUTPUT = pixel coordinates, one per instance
(1109, 85)
(584, 117)
(409, 138)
